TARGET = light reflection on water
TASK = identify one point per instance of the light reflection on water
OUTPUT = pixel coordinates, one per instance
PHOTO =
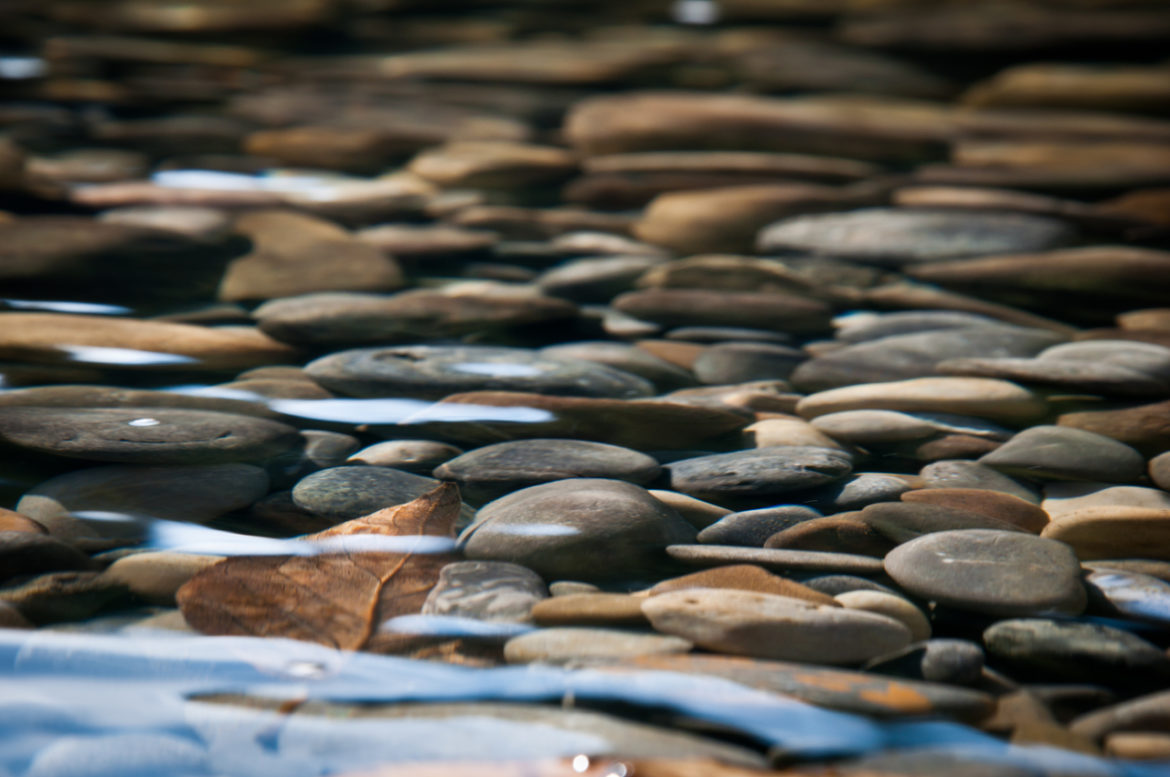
(85, 308)
(403, 411)
(94, 354)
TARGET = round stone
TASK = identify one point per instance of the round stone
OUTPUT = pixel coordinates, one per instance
(437, 371)
(758, 473)
(494, 470)
(857, 491)
(951, 661)
(580, 529)
(994, 572)
(776, 627)
(903, 521)
(343, 493)
(153, 435)
(1063, 453)
(833, 534)
(742, 577)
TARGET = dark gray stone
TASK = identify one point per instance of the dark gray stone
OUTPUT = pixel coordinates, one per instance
(840, 584)
(758, 472)
(726, 363)
(344, 493)
(856, 492)
(953, 661)
(903, 521)
(752, 528)
(28, 553)
(1064, 453)
(1069, 650)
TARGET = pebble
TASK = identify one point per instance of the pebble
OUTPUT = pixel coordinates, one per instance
(10, 520)
(344, 493)
(877, 427)
(725, 363)
(760, 472)
(697, 307)
(591, 609)
(903, 236)
(953, 661)
(1114, 532)
(417, 456)
(834, 534)
(742, 577)
(495, 470)
(776, 627)
(752, 528)
(54, 597)
(891, 606)
(595, 280)
(1144, 713)
(434, 372)
(1066, 650)
(772, 431)
(559, 645)
(586, 529)
(994, 572)
(903, 521)
(993, 504)
(782, 560)
(155, 576)
(972, 474)
(987, 398)
(145, 435)
(628, 358)
(860, 327)
(1145, 427)
(696, 512)
(832, 585)
(856, 491)
(1062, 499)
(1063, 453)
(1128, 594)
(485, 590)
(28, 553)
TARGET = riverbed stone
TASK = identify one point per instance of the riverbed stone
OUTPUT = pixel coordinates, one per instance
(770, 626)
(752, 528)
(792, 561)
(1125, 593)
(972, 474)
(1146, 427)
(437, 371)
(26, 553)
(418, 456)
(155, 576)
(344, 493)
(1068, 498)
(994, 572)
(884, 427)
(742, 577)
(1114, 532)
(841, 533)
(903, 521)
(570, 643)
(145, 435)
(628, 358)
(993, 504)
(953, 661)
(858, 490)
(1064, 453)
(699, 307)
(891, 606)
(725, 363)
(494, 470)
(759, 472)
(485, 590)
(592, 609)
(994, 400)
(580, 529)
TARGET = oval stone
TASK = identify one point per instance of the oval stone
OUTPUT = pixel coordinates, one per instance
(994, 572)
(758, 472)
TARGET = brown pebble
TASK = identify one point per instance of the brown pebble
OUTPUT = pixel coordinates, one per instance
(590, 610)
(993, 504)
(742, 577)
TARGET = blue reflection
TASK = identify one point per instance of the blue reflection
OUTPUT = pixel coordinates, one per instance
(85, 308)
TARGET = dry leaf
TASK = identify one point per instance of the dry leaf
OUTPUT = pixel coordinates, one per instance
(335, 599)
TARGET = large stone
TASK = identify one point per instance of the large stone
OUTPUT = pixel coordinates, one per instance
(1145, 427)
(758, 472)
(910, 236)
(495, 470)
(995, 572)
(145, 435)
(996, 400)
(579, 529)
(904, 521)
(770, 626)
(1065, 453)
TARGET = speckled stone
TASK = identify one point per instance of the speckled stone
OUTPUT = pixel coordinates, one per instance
(758, 473)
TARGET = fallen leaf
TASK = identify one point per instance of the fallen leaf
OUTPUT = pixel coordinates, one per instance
(335, 599)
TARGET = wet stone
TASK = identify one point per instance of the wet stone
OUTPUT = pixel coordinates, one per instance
(581, 529)
(485, 590)
(598, 609)
(434, 372)
(891, 606)
(1146, 427)
(26, 553)
(145, 435)
(595, 280)
(1114, 531)
(628, 358)
(741, 577)
(906, 236)
(344, 493)
(494, 470)
(856, 491)
(752, 528)
(558, 645)
(994, 400)
(953, 661)
(1128, 594)
(757, 473)
(997, 505)
(807, 561)
(833, 534)
(725, 363)
(777, 627)
(694, 307)
(1063, 453)
(972, 474)
(994, 572)
(904, 521)
(833, 585)
(418, 456)
(864, 326)
(155, 577)
(878, 427)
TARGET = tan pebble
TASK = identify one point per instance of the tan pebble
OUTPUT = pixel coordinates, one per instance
(892, 607)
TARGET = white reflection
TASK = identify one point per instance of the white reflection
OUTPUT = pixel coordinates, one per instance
(500, 370)
(94, 354)
(453, 626)
(457, 411)
(192, 538)
(536, 530)
(355, 411)
(219, 180)
(90, 308)
(17, 68)
(198, 390)
(695, 11)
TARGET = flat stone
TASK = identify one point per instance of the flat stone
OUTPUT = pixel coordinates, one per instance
(725, 363)
(758, 472)
(344, 493)
(1064, 453)
(491, 416)
(485, 590)
(856, 491)
(741, 577)
(953, 661)
(319, 449)
(850, 691)
(350, 318)
(155, 576)
(628, 358)
(1145, 427)
(559, 645)
(832, 585)
(488, 164)
(437, 371)
(993, 504)
(1128, 593)
(26, 553)
(10, 520)
(972, 474)
(696, 307)
(598, 609)
(1114, 532)
(1067, 498)
(193, 493)
(904, 521)
(781, 560)
(917, 355)
(579, 529)
(696, 512)
(834, 534)
(145, 435)
(111, 342)
(770, 432)
(770, 626)
(891, 606)
(1145, 713)
(425, 242)
(494, 470)
(876, 427)
(1141, 566)
(1160, 470)
(1068, 650)
(860, 327)
(596, 280)
(294, 253)
(1079, 376)
(418, 456)
(903, 236)
(1138, 746)
(65, 596)
(727, 218)
(995, 400)
(769, 396)
(752, 528)
(994, 572)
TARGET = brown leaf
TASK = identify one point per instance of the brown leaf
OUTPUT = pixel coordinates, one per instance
(335, 599)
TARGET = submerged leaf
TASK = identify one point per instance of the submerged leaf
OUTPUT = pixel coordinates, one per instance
(336, 599)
